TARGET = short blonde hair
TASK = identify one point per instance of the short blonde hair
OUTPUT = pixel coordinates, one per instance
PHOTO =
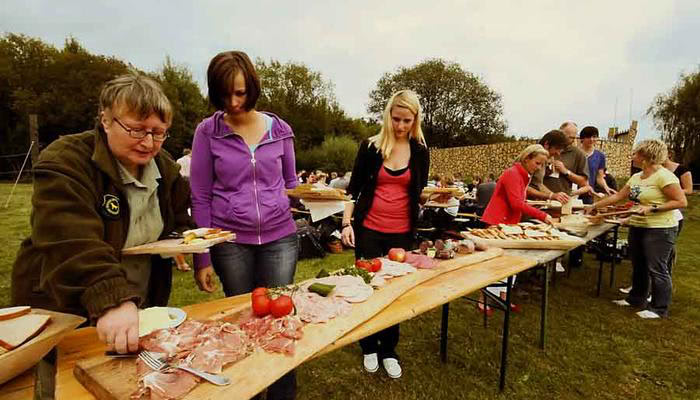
(531, 151)
(654, 151)
(384, 141)
(137, 94)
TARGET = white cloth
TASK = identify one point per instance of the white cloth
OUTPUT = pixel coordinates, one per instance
(184, 162)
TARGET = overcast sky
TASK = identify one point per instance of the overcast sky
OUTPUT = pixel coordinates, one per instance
(550, 60)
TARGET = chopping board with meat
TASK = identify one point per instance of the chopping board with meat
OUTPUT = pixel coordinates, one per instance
(525, 235)
(255, 351)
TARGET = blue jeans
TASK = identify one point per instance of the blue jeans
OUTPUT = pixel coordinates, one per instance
(650, 249)
(243, 267)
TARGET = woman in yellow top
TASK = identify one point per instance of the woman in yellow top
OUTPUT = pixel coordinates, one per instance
(653, 229)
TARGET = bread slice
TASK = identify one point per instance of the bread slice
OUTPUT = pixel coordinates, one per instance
(14, 332)
(13, 312)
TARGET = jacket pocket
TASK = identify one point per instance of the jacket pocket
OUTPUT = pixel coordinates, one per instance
(274, 206)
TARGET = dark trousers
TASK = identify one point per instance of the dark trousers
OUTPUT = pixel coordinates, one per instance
(672, 257)
(370, 244)
(243, 267)
(650, 249)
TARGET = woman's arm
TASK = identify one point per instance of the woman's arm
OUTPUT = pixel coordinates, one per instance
(687, 182)
(201, 182)
(622, 194)
(289, 169)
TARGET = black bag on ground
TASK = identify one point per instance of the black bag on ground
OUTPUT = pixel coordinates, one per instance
(309, 241)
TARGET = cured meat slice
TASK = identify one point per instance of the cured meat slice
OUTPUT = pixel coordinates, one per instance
(318, 309)
(394, 268)
(421, 261)
(352, 288)
(167, 385)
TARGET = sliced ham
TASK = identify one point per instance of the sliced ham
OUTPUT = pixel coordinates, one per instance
(316, 309)
(393, 268)
(421, 261)
(352, 288)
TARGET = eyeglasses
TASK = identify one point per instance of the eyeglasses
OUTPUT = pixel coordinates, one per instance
(158, 136)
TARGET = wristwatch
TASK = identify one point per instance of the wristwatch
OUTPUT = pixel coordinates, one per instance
(567, 173)
(654, 208)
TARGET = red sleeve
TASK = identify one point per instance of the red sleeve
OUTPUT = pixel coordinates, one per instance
(515, 192)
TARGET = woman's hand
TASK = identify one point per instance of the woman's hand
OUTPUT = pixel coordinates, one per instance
(588, 210)
(119, 328)
(642, 210)
(548, 219)
(347, 236)
(181, 263)
(205, 279)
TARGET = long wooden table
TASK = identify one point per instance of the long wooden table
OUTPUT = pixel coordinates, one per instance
(83, 343)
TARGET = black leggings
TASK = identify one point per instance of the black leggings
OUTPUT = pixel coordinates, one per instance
(371, 244)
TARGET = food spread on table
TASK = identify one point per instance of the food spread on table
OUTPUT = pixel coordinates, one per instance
(192, 241)
(521, 231)
(311, 192)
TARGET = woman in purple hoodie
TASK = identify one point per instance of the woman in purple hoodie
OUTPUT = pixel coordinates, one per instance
(242, 161)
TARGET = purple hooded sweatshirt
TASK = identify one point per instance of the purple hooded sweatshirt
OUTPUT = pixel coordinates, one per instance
(240, 191)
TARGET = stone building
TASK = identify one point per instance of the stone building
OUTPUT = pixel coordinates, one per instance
(494, 158)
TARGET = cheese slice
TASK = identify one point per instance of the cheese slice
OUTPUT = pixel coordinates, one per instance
(153, 318)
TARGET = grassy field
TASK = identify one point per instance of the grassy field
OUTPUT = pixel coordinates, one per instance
(595, 349)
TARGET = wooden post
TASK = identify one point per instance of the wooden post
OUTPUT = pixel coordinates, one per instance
(34, 137)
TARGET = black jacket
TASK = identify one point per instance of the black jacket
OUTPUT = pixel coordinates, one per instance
(363, 181)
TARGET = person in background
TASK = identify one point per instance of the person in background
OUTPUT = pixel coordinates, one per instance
(242, 162)
(554, 142)
(508, 204)
(96, 193)
(390, 172)
(301, 176)
(484, 192)
(686, 180)
(342, 182)
(653, 230)
(609, 180)
(596, 162)
(329, 179)
(184, 162)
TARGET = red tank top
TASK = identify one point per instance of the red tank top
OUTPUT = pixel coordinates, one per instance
(390, 211)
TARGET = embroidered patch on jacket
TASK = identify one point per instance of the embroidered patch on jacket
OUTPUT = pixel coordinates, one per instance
(110, 206)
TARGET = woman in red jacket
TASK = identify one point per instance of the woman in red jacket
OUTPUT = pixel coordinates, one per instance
(508, 203)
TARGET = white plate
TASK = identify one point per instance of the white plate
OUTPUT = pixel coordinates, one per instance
(177, 316)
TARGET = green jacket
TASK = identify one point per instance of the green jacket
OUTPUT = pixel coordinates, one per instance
(80, 218)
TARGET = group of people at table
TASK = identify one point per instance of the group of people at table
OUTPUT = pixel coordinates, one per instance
(112, 187)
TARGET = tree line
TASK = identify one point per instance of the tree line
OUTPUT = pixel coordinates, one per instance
(62, 86)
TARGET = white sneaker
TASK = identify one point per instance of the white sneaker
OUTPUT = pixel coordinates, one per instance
(649, 299)
(392, 367)
(625, 290)
(559, 267)
(371, 362)
(622, 303)
(646, 314)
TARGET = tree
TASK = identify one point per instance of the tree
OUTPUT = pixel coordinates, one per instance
(189, 105)
(677, 115)
(458, 108)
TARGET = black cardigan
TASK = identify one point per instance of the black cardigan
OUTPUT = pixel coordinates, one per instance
(363, 181)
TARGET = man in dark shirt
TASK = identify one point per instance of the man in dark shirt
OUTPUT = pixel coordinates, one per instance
(484, 192)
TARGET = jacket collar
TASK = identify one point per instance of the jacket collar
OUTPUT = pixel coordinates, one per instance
(522, 171)
(279, 130)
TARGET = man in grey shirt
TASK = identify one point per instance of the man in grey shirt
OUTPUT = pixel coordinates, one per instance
(484, 192)
(341, 182)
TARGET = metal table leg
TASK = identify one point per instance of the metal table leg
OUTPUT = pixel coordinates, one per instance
(600, 274)
(443, 332)
(486, 307)
(543, 312)
(613, 263)
(506, 325)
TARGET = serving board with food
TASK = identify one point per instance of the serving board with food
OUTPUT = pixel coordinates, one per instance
(258, 344)
(455, 191)
(192, 241)
(27, 334)
(525, 235)
(576, 204)
(310, 192)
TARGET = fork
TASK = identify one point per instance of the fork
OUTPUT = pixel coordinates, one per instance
(155, 364)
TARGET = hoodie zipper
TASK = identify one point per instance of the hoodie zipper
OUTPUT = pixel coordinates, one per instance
(255, 191)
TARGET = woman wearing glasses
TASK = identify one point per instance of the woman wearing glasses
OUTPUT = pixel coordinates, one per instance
(242, 162)
(96, 193)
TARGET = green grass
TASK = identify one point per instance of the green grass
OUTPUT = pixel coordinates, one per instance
(595, 349)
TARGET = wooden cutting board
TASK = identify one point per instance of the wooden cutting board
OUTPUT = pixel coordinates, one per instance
(175, 246)
(115, 379)
(18, 360)
(560, 244)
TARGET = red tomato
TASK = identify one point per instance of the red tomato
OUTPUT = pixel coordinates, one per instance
(363, 264)
(376, 265)
(261, 291)
(261, 305)
(281, 306)
(397, 254)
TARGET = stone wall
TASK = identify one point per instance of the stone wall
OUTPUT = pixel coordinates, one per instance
(494, 158)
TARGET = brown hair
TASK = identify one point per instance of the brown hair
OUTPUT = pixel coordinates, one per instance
(555, 138)
(136, 94)
(223, 68)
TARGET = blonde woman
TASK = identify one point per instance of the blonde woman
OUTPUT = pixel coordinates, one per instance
(653, 230)
(390, 172)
